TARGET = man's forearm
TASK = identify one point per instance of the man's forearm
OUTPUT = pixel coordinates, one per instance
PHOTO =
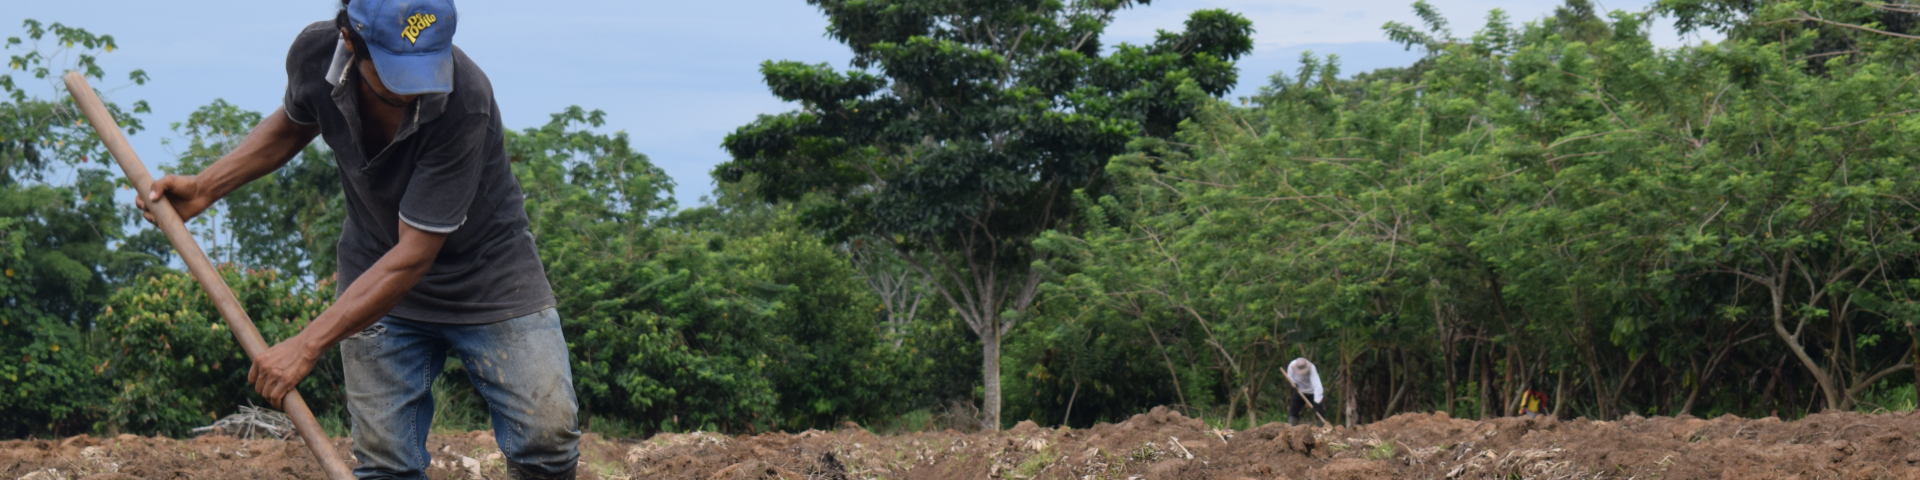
(372, 295)
(267, 147)
(276, 371)
(376, 291)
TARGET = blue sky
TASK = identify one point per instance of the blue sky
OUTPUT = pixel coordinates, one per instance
(676, 76)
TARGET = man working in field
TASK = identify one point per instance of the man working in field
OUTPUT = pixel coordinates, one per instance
(435, 254)
(1306, 381)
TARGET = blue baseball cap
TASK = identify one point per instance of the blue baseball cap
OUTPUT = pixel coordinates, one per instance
(411, 42)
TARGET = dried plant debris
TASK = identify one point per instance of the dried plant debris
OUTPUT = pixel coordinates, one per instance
(251, 423)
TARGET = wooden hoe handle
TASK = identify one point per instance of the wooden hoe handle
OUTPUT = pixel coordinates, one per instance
(202, 269)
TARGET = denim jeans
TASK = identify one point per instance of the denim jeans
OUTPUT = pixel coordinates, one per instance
(519, 366)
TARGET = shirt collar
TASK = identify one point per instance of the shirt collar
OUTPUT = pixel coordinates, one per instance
(341, 58)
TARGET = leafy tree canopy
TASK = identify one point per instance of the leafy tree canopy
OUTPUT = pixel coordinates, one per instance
(963, 127)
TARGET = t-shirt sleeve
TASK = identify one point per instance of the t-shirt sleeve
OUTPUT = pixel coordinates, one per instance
(446, 176)
(298, 103)
(1318, 391)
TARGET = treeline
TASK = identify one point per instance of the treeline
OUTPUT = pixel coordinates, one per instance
(1556, 206)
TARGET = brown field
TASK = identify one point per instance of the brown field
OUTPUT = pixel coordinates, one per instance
(1158, 445)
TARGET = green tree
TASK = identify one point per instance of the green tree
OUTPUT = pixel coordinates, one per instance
(713, 318)
(830, 361)
(627, 293)
(64, 248)
(964, 128)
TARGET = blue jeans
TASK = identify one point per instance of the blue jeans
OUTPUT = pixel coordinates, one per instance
(520, 366)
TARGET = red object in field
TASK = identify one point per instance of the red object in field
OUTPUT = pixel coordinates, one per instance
(1534, 402)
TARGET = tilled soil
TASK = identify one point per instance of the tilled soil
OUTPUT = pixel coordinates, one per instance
(1157, 445)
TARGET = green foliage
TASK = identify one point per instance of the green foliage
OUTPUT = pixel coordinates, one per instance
(289, 220)
(1893, 395)
(67, 228)
(829, 361)
(963, 129)
(1383, 451)
(49, 64)
(61, 242)
(690, 329)
(713, 319)
(51, 388)
(1560, 206)
(1557, 206)
(84, 364)
(626, 292)
(173, 362)
(672, 328)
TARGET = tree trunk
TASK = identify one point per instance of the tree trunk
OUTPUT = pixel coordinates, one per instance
(1603, 406)
(1486, 381)
(1446, 352)
(1560, 394)
(1792, 339)
(1507, 383)
(1179, 391)
(980, 302)
(990, 372)
(1346, 390)
(1473, 363)
(1070, 398)
(1620, 389)
(1916, 362)
(1699, 382)
(1399, 386)
(1233, 403)
(1446, 364)
(1253, 416)
(1769, 395)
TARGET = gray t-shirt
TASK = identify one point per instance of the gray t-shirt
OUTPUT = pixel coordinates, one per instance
(445, 171)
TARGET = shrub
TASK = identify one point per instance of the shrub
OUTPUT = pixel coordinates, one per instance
(174, 364)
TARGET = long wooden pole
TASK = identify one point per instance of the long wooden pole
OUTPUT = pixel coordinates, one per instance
(202, 269)
(1310, 407)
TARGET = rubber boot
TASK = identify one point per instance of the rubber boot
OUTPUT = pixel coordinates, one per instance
(1293, 420)
(520, 472)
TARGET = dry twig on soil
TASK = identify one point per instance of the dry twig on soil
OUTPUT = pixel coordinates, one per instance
(251, 423)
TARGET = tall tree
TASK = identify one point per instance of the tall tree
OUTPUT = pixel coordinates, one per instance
(963, 129)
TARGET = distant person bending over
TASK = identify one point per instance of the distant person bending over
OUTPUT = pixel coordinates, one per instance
(1306, 380)
(435, 255)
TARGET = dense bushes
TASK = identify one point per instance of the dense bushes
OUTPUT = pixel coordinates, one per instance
(1559, 207)
(173, 364)
(675, 326)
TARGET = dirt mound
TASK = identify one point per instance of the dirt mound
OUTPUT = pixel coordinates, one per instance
(1155, 445)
